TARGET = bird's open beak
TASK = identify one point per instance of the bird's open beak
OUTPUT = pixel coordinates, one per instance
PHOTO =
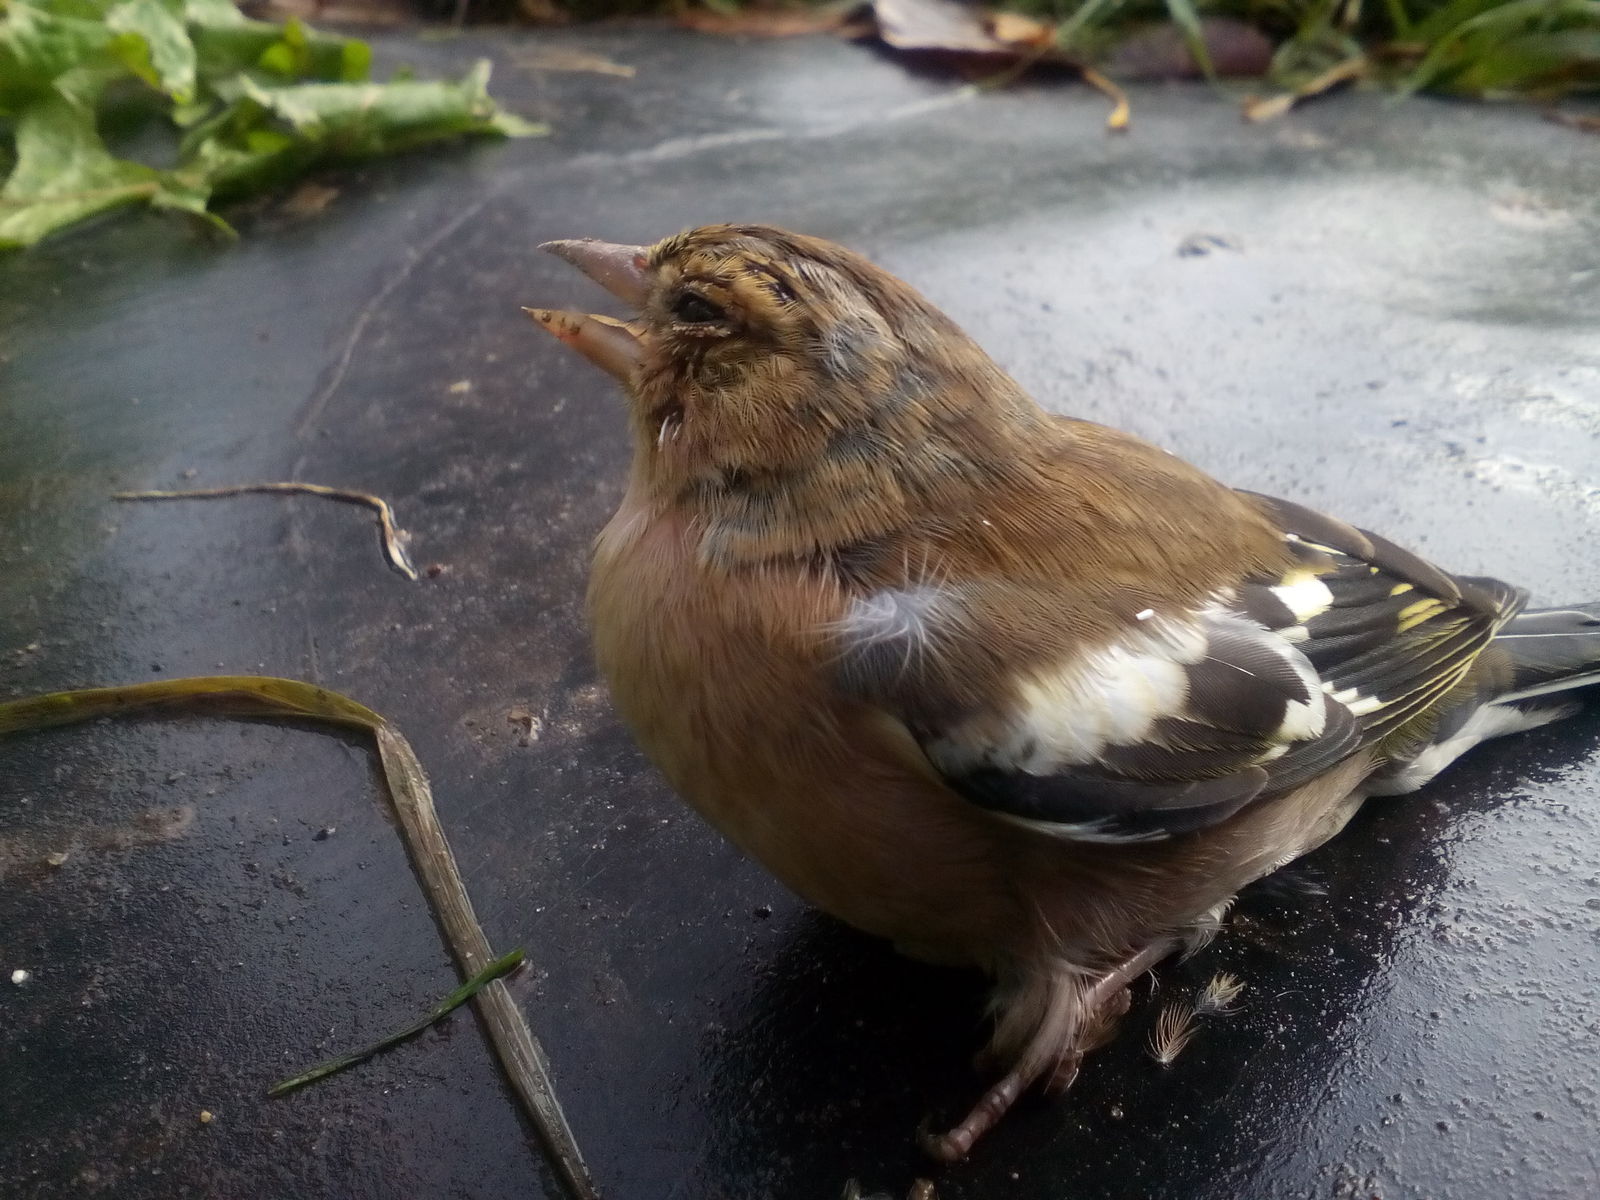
(618, 269)
(613, 346)
(608, 343)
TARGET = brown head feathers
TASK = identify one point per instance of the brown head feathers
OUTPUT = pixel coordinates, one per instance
(791, 400)
(799, 399)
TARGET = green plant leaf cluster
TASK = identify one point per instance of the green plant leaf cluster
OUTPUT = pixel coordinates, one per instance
(1541, 49)
(242, 106)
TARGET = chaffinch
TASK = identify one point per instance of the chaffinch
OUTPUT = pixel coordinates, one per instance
(1010, 689)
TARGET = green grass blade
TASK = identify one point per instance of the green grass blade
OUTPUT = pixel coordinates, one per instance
(501, 966)
(1500, 26)
(1400, 19)
(1187, 20)
(1087, 16)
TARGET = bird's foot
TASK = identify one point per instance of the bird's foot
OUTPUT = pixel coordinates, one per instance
(1071, 1020)
(954, 1144)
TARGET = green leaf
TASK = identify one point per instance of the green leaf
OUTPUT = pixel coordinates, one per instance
(227, 47)
(290, 55)
(279, 58)
(253, 104)
(237, 152)
(355, 61)
(356, 120)
(37, 46)
(64, 173)
(512, 126)
(212, 14)
(192, 113)
(153, 43)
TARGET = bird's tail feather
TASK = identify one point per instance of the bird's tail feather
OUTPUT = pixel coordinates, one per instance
(1551, 650)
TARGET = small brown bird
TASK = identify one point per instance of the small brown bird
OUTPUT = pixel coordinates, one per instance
(1011, 690)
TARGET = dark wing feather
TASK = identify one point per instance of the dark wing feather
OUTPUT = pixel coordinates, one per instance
(1396, 636)
(1202, 715)
(1356, 645)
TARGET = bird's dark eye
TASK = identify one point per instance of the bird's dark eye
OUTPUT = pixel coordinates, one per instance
(694, 309)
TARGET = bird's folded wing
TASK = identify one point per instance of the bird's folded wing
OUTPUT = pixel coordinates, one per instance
(1389, 634)
(1191, 715)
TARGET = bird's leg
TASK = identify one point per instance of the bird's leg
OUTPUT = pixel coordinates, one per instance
(1088, 1013)
(952, 1145)
(1108, 987)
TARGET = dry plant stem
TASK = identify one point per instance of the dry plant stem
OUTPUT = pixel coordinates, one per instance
(258, 695)
(1351, 69)
(954, 1145)
(1117, 122)
(394, 538)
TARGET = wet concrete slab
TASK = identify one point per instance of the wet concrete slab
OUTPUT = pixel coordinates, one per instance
(1394, 317)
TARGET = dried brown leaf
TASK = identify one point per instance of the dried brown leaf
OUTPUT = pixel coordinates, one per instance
(1014, 29)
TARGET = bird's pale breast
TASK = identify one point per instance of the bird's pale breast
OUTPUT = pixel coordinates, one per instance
(718, 675)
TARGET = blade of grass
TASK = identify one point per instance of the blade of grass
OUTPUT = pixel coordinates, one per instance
(1504, 21)
(1400, 19)
(520, 1054)
(503, 965)
(1086, 15)
(1318, 19)
(1187, 20)
(1442, 20)
(1498, 66)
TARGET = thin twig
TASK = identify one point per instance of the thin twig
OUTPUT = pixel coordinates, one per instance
(1258, 109)
(503, 965)
(1117, 122)
(519, 1052)
(394, 538)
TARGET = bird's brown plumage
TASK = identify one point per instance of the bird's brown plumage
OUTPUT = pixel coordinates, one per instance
(812, 437)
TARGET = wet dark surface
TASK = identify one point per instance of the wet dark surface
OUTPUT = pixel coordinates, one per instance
(1400, 325)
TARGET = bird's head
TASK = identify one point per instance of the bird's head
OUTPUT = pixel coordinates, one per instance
(796, 396)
